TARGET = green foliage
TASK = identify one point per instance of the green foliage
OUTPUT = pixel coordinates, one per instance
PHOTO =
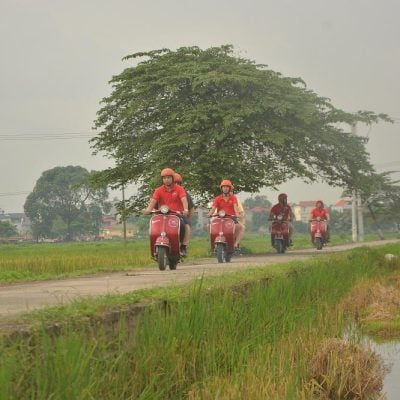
(7, 230)
(64, 200)
(258, 200)
(210, 115)
(340, 222)
(381, 198)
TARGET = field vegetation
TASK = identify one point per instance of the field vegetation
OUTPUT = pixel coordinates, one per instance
(264, 340)
(24, 262)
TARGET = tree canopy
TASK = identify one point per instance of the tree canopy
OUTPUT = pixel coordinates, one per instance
(213, 115)
(7, 230)
(63, 202)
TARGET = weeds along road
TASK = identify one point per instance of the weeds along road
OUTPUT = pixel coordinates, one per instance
(18, 298)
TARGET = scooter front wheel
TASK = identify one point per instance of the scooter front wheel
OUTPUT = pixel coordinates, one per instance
(220, 252)
(318, 243)
(279, 246)
(162, 258)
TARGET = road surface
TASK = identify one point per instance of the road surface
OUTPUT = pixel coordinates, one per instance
(25, 297)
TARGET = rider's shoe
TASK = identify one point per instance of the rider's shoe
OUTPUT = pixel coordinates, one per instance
(184, 250)
(237, 250)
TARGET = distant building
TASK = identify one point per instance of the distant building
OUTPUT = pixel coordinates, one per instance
(19, 220)
(112, 227)
(303, 209)
(342, 205)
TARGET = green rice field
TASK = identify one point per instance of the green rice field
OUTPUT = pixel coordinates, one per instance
(24, 262)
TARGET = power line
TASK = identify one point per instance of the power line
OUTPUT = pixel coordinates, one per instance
(18, 136)
(12, 194)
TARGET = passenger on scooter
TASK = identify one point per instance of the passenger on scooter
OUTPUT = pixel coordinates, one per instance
(173, 196)
(178, 180)
(228, 202)
(321, 212)
(283, 208)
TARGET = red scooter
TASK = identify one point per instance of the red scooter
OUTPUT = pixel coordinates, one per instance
(279, 233)
(165, 238)
(318, 230)
(222, 236)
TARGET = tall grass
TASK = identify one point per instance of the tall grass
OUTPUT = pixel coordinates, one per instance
(215, 345)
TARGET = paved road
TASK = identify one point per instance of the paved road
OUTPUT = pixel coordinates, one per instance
(25, 297)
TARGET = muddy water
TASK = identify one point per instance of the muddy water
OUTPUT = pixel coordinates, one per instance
(390, 353)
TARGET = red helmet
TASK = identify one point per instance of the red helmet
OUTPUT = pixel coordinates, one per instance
(282, 196)
(226, 182)
(167, 172)
(177, 177)
(319, 201)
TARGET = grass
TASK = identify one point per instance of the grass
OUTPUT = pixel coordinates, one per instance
(219, 344)
(376, 304)
(27, 262)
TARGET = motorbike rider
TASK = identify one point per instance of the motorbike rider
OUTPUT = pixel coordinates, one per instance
(173, 196)
(178, 180)
(227, 201)
(283, 208)
(321, 212)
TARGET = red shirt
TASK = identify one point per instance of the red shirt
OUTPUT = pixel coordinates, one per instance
(278, 209)
(172, 199)
(227, 205)
(317, 212)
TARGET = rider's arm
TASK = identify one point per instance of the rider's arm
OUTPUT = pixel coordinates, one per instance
(237, 211)
(291, 215)
(185, 206)
(327, 216)
(150, 207)
(212, 211)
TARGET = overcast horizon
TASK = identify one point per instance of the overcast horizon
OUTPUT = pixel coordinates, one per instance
(57, 59)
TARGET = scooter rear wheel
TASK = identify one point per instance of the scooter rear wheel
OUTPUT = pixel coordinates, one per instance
(221, 252)
(173, 264)
(162, 258)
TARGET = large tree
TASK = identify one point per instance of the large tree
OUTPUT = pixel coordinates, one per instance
(64, 194)
(211, 114)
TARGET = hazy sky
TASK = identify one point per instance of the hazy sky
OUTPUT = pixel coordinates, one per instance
(57, 57)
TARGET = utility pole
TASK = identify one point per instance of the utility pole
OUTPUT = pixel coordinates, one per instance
(354, 232)
(124, 213)
(360, 218)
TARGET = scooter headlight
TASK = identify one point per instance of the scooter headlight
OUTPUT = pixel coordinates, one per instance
(280, 217)
(164, 209)
(222, 213)
(318, 218)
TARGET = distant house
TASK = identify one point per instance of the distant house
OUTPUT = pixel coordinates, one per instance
(342, 205)
(112, 227)
(303, 209)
